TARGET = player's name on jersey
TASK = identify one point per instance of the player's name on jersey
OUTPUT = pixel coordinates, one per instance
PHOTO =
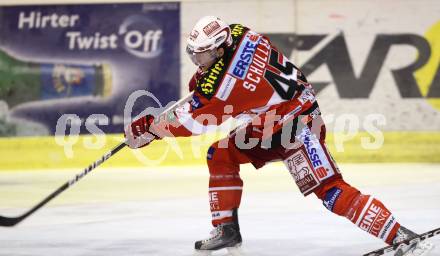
(250, 60)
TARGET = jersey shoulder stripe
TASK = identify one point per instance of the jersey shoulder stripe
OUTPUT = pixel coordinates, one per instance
(208, 84)
(237, 33)
(211, 79)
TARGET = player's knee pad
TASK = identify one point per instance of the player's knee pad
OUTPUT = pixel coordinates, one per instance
(222, 157)
(337, 196)
(224, 172)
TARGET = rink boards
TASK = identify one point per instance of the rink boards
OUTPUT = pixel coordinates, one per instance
(68, 152)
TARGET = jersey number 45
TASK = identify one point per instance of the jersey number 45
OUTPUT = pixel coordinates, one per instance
(286, 88)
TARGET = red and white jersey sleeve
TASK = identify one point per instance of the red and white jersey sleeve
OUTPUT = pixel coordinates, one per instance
(251, 78)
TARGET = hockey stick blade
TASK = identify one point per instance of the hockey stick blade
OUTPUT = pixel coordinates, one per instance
(9, 222)
(395, 247)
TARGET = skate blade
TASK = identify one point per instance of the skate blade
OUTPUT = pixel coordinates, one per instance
(232, 251)
(427, 248)
(235, 251)
(202, 253)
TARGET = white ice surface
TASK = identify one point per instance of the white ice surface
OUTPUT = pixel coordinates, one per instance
(162, 212)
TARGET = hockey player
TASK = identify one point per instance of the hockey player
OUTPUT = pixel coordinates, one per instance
(241, 73)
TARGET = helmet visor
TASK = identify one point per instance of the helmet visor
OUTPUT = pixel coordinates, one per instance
(203, 58)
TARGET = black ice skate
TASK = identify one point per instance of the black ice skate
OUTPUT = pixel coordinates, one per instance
(421, 248)
(226, 235)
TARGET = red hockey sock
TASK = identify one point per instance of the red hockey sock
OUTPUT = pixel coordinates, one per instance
(371, 215)
(224, 196)
(225, 184)
(365, 211)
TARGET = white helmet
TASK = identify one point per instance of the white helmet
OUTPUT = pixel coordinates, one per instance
(207, 35)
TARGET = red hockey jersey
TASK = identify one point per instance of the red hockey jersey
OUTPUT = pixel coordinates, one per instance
(252, 78)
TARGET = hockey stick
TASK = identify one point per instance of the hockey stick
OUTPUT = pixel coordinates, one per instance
(12, 221)
(395, 247)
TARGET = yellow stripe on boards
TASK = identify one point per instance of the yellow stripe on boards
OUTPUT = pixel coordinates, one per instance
(34, 153)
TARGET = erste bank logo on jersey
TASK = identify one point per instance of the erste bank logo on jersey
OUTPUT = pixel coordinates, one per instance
(321, 166)
(244, 55)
